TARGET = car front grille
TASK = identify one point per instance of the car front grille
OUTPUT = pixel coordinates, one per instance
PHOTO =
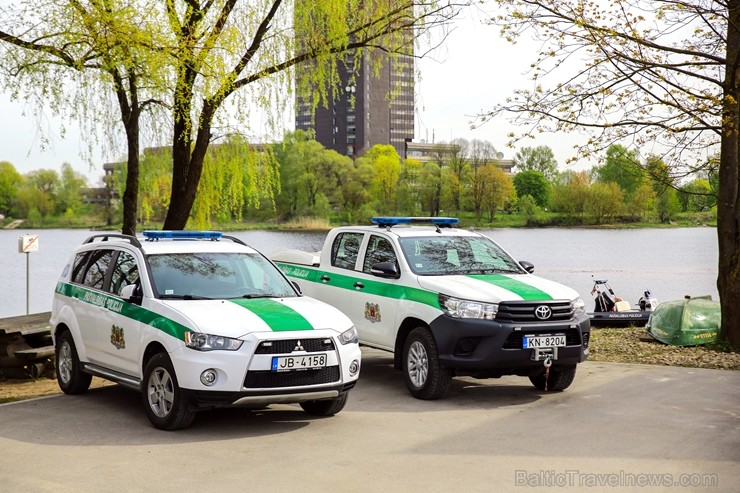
(524, 311)
(287, 346)
(261, 379)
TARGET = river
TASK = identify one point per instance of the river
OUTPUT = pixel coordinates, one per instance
(671, 262)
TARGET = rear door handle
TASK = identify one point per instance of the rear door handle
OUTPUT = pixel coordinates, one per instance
(325, 278)
(359, 285)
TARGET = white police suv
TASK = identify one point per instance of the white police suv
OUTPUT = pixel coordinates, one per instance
(197, 320)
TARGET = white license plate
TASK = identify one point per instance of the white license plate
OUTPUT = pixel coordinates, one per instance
(303, 362)
(529, 342)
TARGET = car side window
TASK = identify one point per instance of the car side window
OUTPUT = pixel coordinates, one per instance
(378, 250)
(78, 269)
(97, 268)
(125, 272)
(345, 249)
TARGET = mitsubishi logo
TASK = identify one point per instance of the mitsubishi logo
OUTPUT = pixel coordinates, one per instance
(298, 347)
(543, 312)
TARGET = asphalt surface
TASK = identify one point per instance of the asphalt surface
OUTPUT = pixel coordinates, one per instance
(618, 428)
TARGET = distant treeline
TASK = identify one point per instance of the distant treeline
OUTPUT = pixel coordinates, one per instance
(300, 178)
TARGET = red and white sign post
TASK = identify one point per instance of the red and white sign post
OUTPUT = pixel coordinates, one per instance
(28, 244)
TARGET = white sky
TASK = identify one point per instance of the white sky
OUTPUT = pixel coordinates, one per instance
(469, 74)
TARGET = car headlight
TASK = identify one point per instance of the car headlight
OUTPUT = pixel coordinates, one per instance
(458, 308)
(349, 336)
(209, 342)
(579, 306)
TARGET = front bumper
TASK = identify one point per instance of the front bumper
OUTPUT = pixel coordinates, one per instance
(244, 377)
(489, 348)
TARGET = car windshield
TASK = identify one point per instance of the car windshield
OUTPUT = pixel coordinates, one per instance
(194, 276)
(435, 256)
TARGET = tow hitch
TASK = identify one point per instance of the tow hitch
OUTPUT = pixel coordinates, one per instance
(546, 355)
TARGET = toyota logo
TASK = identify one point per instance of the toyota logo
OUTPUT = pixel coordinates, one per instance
(543, 312)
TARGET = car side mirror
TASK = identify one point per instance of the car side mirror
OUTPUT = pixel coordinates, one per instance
(131, 293)
(297, 287)
(385, 269)
(528, 266)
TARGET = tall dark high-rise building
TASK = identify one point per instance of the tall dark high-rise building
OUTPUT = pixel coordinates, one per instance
(382, 113)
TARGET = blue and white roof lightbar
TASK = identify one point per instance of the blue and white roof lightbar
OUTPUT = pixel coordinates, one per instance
(443, 222)
(182, 235)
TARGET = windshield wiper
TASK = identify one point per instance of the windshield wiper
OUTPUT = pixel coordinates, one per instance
(260, 295)
(183, 297)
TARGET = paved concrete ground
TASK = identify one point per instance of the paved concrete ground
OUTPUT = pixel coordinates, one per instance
(617, 428)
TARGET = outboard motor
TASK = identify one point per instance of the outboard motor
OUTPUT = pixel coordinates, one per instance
(648, 302)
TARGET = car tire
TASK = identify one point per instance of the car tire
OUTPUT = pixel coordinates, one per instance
(559, 379)
(164, 403)
(328, 407)
(71, 378)
(425, 377)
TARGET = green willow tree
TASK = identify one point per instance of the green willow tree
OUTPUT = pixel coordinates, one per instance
(246, 52)
(208, 62)
(89, 48)
(660, 75)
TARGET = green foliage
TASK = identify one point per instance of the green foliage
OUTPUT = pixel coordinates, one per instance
(235, 175)
(308, 171)
(534, 184)
(668, 205)
(408, 194)
(387, 168)
(605, 201)
(10, 181)
(571, 192)
(34, 218)
(538, 158)
(697, 196)
(528, 207)
(642, 201)
(69, 196)
(430, 189)
(622, 167)
(498, 190)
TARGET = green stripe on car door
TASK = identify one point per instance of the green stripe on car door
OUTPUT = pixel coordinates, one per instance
(277, 316)
(369, 286)
(124, 308)
(526, 291)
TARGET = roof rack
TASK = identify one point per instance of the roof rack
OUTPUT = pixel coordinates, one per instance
(389, 221)
(106, 236)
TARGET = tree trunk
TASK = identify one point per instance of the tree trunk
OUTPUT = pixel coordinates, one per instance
(187, 168)
(728, 210)
(130, 194)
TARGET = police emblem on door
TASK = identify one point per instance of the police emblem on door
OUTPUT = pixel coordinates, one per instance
(372, 312)
(117, 337)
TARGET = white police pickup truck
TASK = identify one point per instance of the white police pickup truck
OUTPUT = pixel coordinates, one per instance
(446, 302)
(195, 322)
